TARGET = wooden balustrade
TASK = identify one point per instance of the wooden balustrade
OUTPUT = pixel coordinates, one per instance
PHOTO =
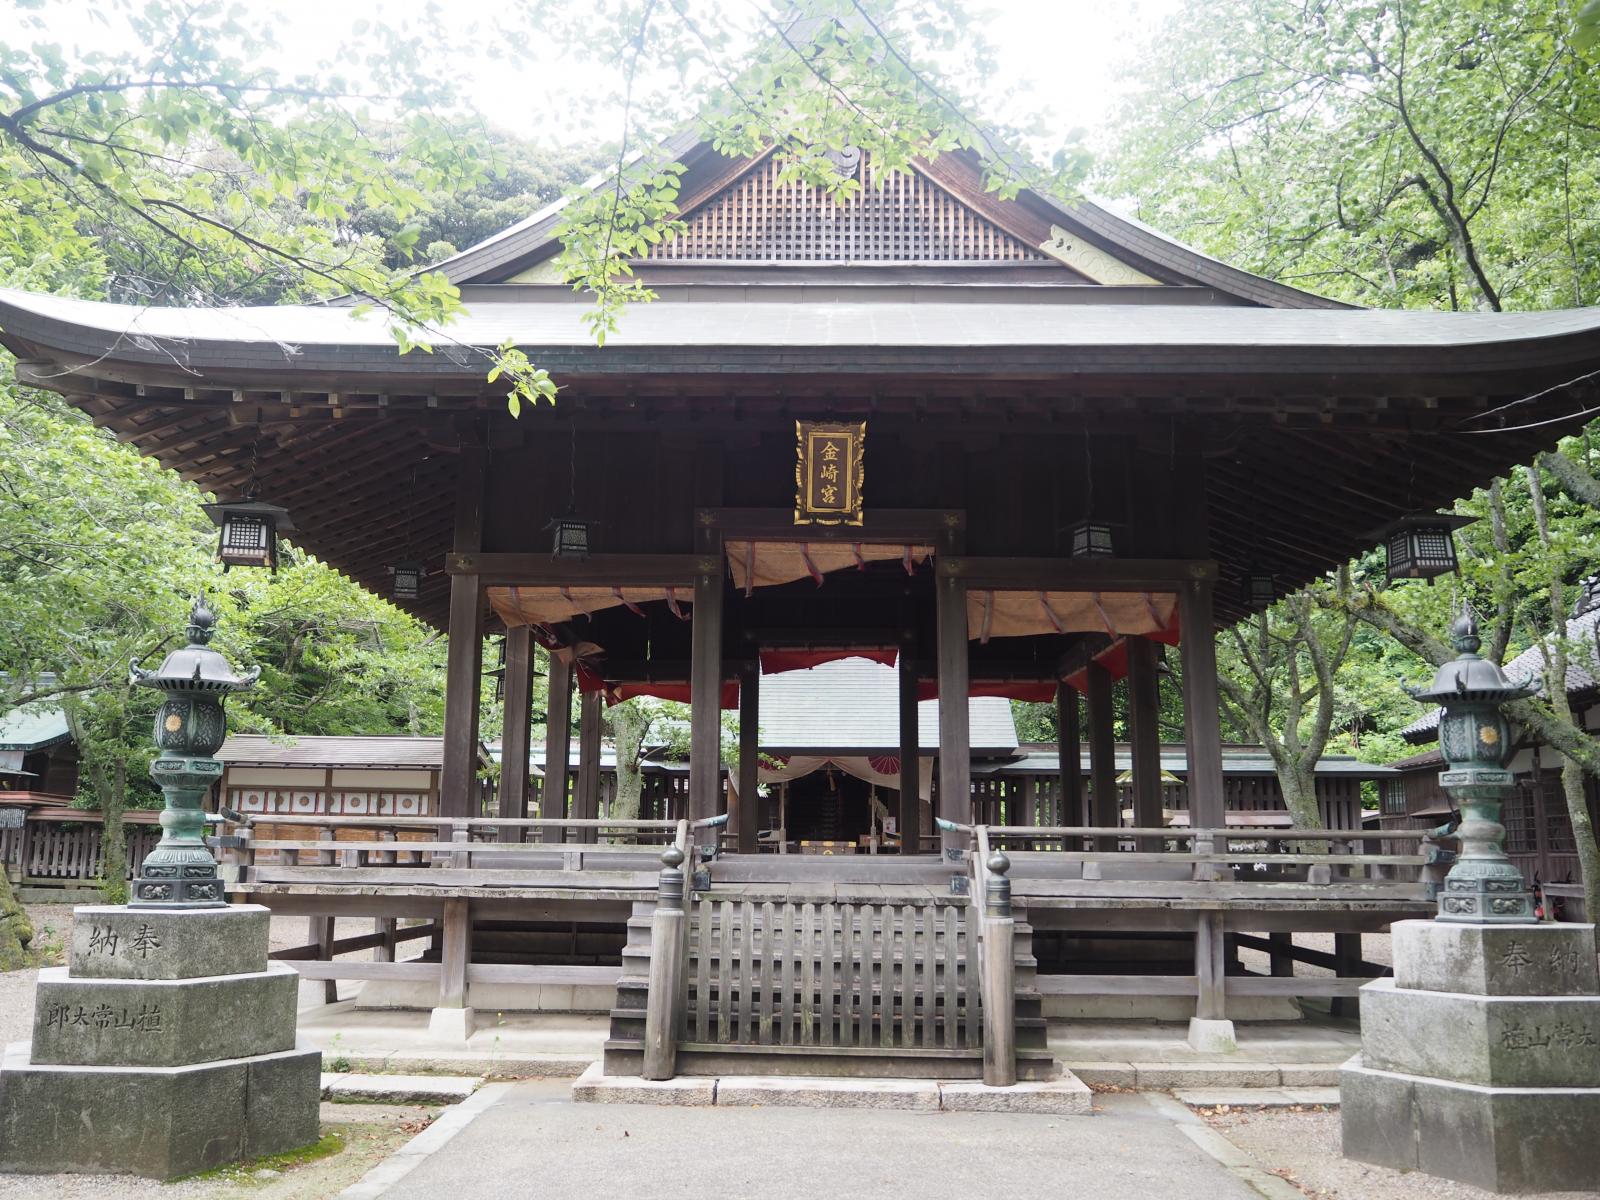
(62, 846)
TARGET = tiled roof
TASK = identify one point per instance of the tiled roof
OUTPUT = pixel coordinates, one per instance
(410, 753)
(33, 727)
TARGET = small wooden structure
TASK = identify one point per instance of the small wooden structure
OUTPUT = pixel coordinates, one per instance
(1081, 441)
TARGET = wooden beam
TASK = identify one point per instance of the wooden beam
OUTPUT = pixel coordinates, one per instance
(1211, 1002)
(1144, 733)
(1069, 758)
(1104, 795)
(748, 816)
(929, 526)
(464, 664)
(557, 743)
(597, 570)
(1076, 574)
(518, 729)
(910, 814)
(955, 755)
(1202, 725)
(705, 688)
(586, 801)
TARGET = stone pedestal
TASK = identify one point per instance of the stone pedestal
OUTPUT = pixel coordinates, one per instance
(167, 1046)
(1480, 1059)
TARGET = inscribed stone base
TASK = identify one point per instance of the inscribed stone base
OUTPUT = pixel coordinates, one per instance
(163, 1022)
(1502, 1139)
(115, 942)
(1546, 959)
(158, 1122)
(1507, 1041)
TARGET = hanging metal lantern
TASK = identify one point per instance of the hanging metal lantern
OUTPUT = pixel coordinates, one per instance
(407, 581)
(1422, 545)
(1260, 590)
(572, 536)
(249, 532)
(1092, 539)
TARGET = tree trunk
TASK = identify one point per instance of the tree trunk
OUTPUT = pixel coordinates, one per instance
(1300, 798)
(628, 726)
(1582, 835)
(16, 930)
(113, 836)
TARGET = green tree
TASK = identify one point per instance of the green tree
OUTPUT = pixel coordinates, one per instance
(1419, 153)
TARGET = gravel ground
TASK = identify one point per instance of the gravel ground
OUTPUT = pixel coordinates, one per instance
(370, 1132)
(1303, 1147)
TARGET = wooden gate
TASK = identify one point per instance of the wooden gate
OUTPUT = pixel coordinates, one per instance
(847, 976)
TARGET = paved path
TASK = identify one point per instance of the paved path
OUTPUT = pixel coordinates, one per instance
(535, 1141)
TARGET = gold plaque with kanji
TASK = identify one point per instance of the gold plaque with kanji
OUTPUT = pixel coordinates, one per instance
(828, 473)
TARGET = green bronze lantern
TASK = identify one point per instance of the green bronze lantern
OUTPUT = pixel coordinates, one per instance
(180, 872)
(1484, 886)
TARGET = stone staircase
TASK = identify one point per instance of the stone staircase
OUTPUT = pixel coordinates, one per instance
(931, 1028)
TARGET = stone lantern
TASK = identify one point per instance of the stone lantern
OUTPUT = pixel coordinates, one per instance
(180, 871)
(1484, 886)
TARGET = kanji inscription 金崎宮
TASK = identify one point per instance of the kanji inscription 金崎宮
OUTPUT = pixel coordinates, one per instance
(828, 472)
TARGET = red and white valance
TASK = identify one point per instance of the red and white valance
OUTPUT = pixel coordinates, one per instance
(768, 564)
(992, 613)
(553, 605)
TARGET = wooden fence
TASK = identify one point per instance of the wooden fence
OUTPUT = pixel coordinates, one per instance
(844, 975)
(63, 847)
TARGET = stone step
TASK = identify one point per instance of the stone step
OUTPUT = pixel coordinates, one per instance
(399, 1089)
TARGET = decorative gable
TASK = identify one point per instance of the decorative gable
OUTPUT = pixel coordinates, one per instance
(896, 218)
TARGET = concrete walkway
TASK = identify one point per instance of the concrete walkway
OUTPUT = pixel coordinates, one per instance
(533, 1140)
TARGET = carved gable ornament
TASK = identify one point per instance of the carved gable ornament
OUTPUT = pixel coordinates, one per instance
(828, 472)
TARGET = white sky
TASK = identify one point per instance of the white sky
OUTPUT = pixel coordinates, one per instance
(1060, 56)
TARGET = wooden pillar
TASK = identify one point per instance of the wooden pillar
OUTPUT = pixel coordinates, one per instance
(1069, 759)
(748, 817)
(705, 693)
(1281, 956)
(456, 954)
(458, 788)
(322, 934)
(1210, 973)
(1202, 727)
(586, 800)
(910, 816)
(1104, 794)
(557, 746)
(518, 730)
(1347, 965)
(1144, 734)
(955, 753)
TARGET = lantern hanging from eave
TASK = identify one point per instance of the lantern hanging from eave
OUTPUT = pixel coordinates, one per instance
(249, 532)
(1260, 590)
(408, 579)
(573, 536)
(1422, 545)
(1092, 539)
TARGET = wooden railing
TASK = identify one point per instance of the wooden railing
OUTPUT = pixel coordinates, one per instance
(62, 846)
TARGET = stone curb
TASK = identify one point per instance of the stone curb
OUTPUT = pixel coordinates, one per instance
(399, 1089)
(1288, 1097)
(1067, 1096)
(1165, 1076)
(414, 1153)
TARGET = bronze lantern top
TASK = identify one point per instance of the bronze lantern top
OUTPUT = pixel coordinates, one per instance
(195, 667)
(1469, 676)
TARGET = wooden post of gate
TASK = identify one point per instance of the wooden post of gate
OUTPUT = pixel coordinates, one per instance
(998, 983)
(667, 946)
